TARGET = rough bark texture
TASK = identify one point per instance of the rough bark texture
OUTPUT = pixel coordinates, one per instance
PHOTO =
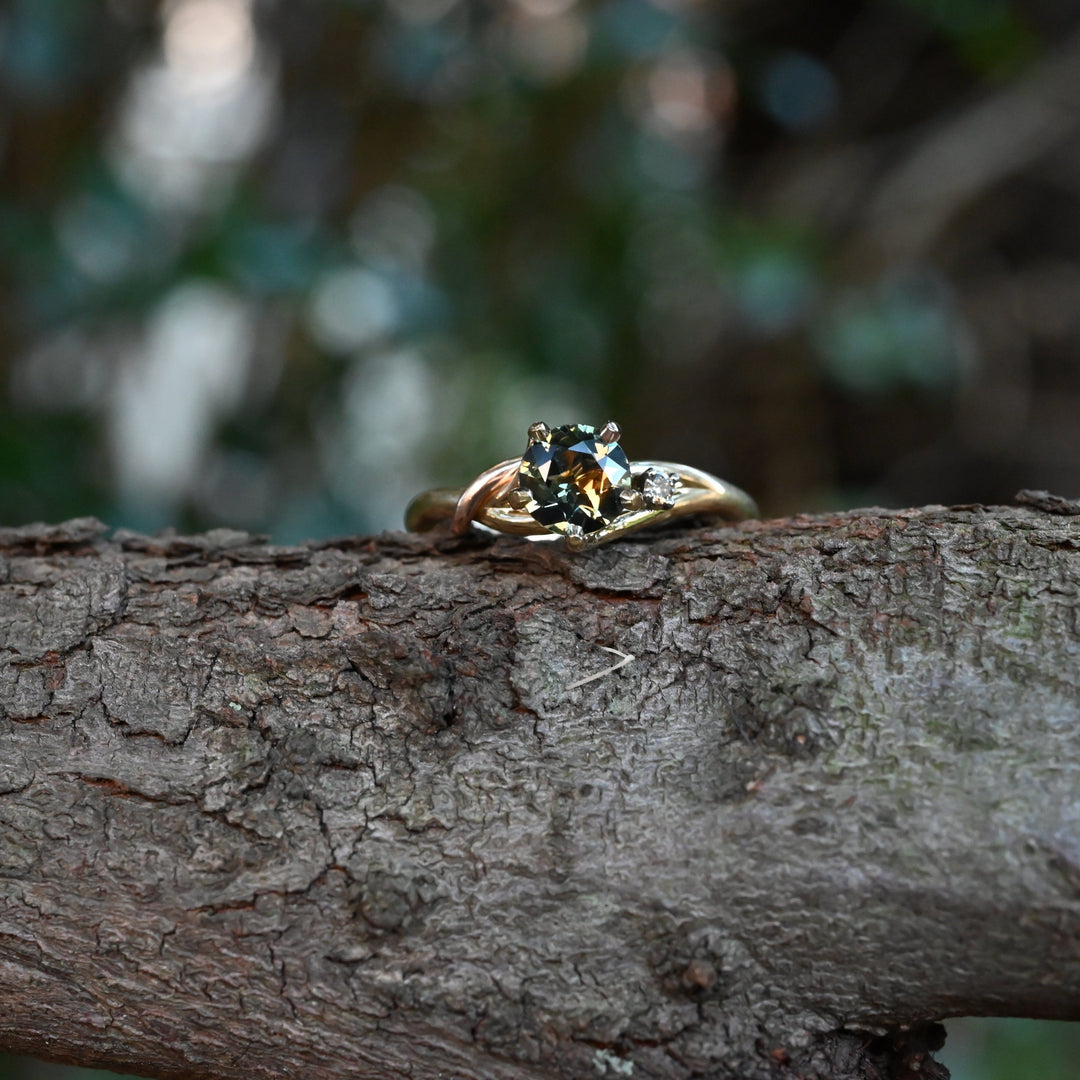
(331, 811)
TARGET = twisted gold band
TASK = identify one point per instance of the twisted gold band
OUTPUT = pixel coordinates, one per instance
(485, 501)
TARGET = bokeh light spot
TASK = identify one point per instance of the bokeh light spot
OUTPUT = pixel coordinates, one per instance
(798, 91)
(351, 307)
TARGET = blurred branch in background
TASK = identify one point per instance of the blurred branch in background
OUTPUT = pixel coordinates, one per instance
(279, 265)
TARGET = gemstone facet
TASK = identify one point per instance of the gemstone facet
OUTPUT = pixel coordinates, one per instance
(659, 487)
(575, 478)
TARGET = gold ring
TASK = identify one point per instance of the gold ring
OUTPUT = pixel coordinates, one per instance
(576, 482)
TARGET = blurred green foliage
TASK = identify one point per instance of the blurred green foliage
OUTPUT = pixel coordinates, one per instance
(1012, 1050)
(22, 1068)
(425, 222)
(992, 35)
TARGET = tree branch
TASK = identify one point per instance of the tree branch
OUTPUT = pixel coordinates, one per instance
(338, 810)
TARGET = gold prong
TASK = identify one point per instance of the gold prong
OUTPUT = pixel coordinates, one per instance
(538, 432)
(610, 432)
(518, 498)
(629, 499)
(575, 538)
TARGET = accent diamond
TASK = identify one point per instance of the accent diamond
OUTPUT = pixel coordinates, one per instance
(575, 478)
(659, 487)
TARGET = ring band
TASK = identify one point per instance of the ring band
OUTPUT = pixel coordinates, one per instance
(576, 481)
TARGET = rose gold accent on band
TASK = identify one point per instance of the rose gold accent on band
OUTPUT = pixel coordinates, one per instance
(700, 493)
(489, 487)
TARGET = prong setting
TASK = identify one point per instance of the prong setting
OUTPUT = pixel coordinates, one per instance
(610, 432)
(538, 432)
(518, 498)
(631, 500)
(575, 538)
(659, 488)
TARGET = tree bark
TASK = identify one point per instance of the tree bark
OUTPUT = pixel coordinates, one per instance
(339, 810)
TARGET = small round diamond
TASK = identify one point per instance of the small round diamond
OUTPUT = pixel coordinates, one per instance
(659, 487)
(575, 478)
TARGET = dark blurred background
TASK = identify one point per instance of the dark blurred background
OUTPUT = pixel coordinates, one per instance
(279, 265)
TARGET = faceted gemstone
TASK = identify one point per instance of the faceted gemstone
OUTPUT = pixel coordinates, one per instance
(574, 478)
(659, 487)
